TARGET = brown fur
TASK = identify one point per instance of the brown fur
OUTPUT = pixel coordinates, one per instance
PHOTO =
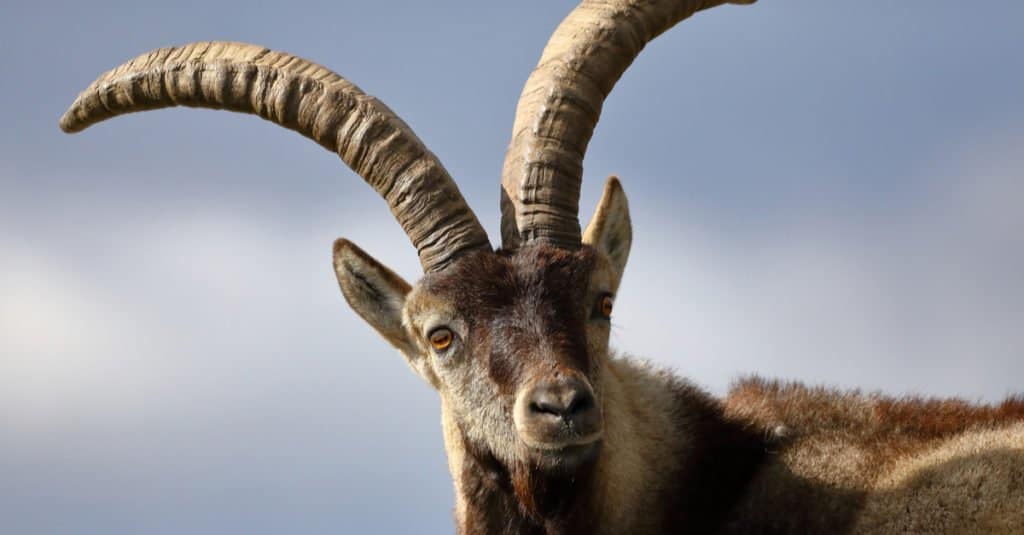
(602, 445)
(849, 460)
(696, 485)
(546, 432)
(771, 457)
(487, 286)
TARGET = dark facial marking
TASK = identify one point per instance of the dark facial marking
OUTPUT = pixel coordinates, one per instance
(526, 311)
(522, 501)
(526, 315)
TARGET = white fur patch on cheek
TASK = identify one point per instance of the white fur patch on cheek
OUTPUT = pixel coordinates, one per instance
(486, 416)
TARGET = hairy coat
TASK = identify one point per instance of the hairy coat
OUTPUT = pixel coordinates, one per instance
(852, 462)
(547, 431)
(769, 458)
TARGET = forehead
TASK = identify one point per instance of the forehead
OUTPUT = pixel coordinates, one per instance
(494, 281)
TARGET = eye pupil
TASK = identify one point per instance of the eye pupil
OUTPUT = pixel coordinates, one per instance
(441, 339)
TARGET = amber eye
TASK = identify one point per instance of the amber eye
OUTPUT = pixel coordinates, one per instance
(441, 338)
(604, 306)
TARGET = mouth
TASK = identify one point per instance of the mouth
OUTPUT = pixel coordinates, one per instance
(562, 445)
(565, 455)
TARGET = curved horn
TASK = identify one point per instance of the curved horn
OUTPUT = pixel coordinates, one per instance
(313, 101)
(560, 106)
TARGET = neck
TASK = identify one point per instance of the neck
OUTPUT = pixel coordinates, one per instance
(667, 456)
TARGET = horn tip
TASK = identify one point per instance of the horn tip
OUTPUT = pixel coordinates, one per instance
(70, 123)
(66, 126)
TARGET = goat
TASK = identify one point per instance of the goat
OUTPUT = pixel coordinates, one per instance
(546, 429)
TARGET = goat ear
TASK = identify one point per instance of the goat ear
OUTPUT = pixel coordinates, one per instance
(610, 230)
(375, 292)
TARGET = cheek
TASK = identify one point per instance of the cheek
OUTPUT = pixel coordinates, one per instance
(597, 341)
(483, 411)
(598, 332)
(463, 381)
(451, 376)
(467, 377)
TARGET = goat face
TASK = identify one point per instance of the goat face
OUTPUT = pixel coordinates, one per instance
(514, 341)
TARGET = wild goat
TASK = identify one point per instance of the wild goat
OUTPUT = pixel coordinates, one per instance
(546, 430)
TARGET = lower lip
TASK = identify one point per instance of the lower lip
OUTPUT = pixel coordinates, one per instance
(561, 447)
(570, 452)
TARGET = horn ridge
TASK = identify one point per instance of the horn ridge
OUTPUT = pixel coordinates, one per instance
(312, 100)
(560, 105)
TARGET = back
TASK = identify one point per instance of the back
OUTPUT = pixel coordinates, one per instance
(866, 463)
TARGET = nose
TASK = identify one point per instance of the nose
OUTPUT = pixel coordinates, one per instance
(566, 399)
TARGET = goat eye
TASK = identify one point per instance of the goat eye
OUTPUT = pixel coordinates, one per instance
(441, 338)
(604, 306)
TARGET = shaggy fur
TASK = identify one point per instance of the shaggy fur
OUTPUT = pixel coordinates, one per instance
(546, 432)
(770, 457)
(852, 462)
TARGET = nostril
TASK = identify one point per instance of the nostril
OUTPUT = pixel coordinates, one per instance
(581, 402)
(558, 412)
(541, 407)
(563, 403)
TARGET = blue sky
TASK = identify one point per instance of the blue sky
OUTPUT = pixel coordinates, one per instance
(821, 192)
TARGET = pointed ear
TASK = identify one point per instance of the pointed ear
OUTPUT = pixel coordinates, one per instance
(375, 292)
(610, 230)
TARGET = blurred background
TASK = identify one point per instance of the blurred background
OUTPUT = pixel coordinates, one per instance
(820, 191)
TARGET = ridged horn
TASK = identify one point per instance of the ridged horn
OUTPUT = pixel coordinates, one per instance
(559, 108)
(317, 103)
